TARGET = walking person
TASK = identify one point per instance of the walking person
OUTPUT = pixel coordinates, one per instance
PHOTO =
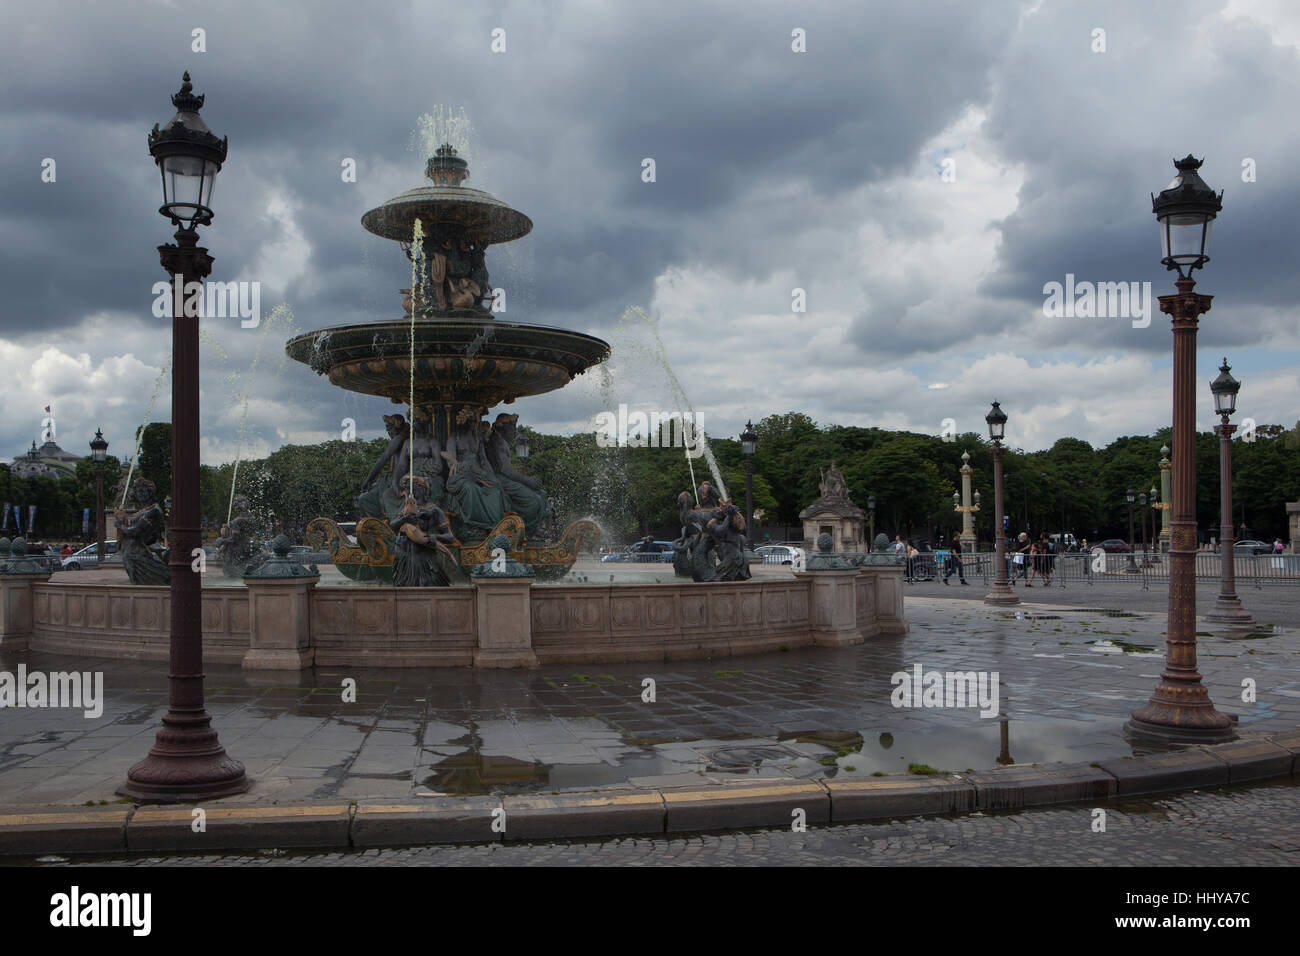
(954, 562)
(1046, 552)
(912, 555)
(1022, 557)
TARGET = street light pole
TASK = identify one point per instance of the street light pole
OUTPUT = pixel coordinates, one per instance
(1180, 709)
(748, 444)
(1227, 608)
(99, 452)
(1001, 593)
(187, 762)
(1132, 568)
(871, 516)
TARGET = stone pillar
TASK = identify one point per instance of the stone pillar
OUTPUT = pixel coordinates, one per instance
(16, 601)
(279, 624)
(967, 509)
(504, 617)
(833, 607)
(1293, 516)
(887, 585)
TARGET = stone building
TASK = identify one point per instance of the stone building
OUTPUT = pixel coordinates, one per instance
(834, 514)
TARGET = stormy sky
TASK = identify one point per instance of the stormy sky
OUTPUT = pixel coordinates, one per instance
(920, 171)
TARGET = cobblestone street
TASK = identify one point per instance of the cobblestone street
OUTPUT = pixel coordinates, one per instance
(1228, 827)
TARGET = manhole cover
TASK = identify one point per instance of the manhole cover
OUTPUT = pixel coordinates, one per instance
(748, 758)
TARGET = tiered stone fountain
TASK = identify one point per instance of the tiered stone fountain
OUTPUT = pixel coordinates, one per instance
(466, 362)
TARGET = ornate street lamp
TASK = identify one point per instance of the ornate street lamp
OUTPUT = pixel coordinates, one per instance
(871, 513)
(1227, 608)
(1001, 593)
(748, 445)
(99, 454)
(1142, 503)
(1132, 568)
(1155, 506)
(187, 762)
(1180, 708)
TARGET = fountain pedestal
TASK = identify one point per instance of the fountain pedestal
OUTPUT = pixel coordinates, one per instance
(503, 606)
(279, 612)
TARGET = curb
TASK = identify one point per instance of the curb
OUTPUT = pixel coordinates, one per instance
(738, 805)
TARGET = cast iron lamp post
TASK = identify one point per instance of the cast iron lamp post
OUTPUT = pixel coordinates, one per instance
(748, 443)
(187, 762)
(1227, 609)
(1142, 503)
(1180, 708)
(1132, 568)
(1152, 496)
(99, 453)
(1001, 593)
(871, 516)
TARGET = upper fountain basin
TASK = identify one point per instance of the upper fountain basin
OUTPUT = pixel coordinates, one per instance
(471, 212)
(472, 360)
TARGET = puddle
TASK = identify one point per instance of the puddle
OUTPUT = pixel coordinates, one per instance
(471, 773)
(1102, 611)
(1124, 647)
(1252, 634)
(1027, 616)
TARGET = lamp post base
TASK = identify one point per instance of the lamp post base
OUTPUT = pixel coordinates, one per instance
(185, 766)
(1228, 610)
(1001, 594)
(1141, 730)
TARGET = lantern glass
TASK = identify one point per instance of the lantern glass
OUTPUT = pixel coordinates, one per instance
(521, 445)
(187, 186)
(1128, 496)
(997, 422)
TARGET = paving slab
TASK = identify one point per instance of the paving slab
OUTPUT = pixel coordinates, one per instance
(89, 830)
(747, 805)
(1254, 759)
(889, 797)
(1152, 773)
(1014, 787)
(433, 820)
(224, 828)
(583, 815)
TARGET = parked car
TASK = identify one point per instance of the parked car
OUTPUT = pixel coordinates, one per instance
(88, 557)
(1251, 547)
(660, 551)
(780, 554)
(1111, 546)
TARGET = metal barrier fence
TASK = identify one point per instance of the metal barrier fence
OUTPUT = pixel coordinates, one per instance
(1085, 570)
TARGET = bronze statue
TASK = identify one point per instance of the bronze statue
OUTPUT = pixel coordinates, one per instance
(238, 547)
(523, 494)
(473, 490)
(708, 496)
(727, 528)
(423, 534)
(138, 531)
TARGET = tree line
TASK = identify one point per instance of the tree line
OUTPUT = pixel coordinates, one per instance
(631, 492)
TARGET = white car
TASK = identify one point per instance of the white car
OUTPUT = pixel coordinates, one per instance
(780, 554)
(88, 557)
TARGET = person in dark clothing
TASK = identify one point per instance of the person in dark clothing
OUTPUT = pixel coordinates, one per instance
(955, 562)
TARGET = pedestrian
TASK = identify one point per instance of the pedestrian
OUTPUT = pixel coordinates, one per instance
(1022, 556)
(955, 562)
(1046, 551)
(900, 549)
(912, 555)
(1277, 545)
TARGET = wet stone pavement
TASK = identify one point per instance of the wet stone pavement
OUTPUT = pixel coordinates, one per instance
(1068, 679)
(1228, 827)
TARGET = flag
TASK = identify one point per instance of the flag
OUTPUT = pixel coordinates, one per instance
(6, 518)
(85, 520)
(47, 408)
(31, 517)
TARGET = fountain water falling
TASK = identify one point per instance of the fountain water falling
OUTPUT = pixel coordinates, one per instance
(280, 315)
(139, 435)
(417, 295)
(636, 315)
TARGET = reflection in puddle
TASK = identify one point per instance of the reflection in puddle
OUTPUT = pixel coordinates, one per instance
(1124, 647)
(471, 773)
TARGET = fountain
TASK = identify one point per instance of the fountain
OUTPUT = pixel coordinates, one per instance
(450, 361)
